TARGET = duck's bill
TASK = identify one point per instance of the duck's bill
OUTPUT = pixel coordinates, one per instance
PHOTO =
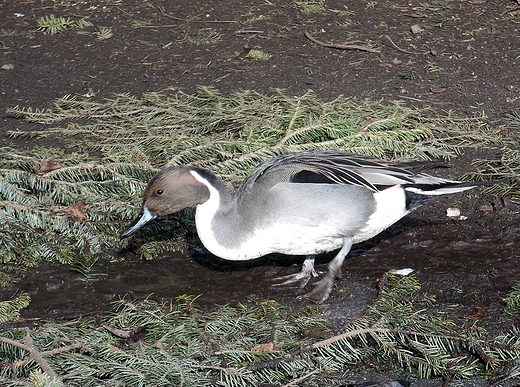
(144, 217)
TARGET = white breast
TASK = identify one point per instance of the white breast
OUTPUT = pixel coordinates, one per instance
(280, 238)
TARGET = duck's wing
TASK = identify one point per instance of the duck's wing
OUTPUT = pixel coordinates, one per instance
(329, 167)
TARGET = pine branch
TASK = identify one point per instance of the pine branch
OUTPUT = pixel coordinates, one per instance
(10, 310)
(175, 341)
(33, 354)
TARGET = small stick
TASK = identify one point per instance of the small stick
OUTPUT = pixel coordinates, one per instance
(38, 358)
(157, 26)
(34, 354)
(411, 98)
(197, 21)
(249, 32)
(301, 378)
(511, 10)
(340, 46)
(400, 49)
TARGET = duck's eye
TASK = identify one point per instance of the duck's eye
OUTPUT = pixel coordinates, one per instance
(160, 192)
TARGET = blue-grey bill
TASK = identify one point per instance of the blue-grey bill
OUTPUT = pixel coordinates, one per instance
(144, 217)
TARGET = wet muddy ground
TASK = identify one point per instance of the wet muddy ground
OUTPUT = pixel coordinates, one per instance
(464, 57)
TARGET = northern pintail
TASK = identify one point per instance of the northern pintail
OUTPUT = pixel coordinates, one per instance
(303, 203)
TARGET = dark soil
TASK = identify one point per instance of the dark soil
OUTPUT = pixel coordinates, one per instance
(465, 58)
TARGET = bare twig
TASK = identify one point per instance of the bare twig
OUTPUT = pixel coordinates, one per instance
(157, 26)
(192, 20)
(417, 15)
(14, 343)
(301, 378)
(249, 32)
(340, 46)
(400, 49)
(512, 10)
(121, 333)
(34, 354)
(411, 98)
(38, 358)
(502, 380)
(356, 332)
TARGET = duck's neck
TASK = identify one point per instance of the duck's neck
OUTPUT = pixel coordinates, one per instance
(220, 199)
(218, 223)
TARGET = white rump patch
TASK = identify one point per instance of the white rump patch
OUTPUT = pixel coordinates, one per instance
(390, 207)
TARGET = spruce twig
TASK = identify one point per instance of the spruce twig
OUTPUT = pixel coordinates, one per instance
(183, 345)
(341, 46)
(34, 354)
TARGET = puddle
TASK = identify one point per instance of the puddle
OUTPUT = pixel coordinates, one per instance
(57, 292)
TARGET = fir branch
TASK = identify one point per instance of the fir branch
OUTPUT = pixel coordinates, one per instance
(512, 301)
(178, 344)
(10, 310)
(33, 354)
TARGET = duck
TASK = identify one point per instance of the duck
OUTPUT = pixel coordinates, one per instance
(299, 204)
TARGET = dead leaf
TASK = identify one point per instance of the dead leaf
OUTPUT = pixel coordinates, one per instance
(368, 120)
(479, 314)
(436, 89)
(486, 208)
(278, 346)
(77, 210)
(416, 29)
(47, 166)
(268, 347)
(8, 66)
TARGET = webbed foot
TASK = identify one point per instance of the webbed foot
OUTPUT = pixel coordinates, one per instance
(322, 289)
(302, 278)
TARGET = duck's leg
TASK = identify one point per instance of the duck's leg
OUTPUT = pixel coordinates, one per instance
(303, 277)
(323, 288)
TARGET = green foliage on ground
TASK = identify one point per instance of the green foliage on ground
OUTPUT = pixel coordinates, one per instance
(176, 343)
(50, 24)
(10, 309)
(512, 302)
